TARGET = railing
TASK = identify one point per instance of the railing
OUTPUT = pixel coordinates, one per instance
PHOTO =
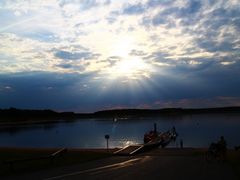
(52, 156)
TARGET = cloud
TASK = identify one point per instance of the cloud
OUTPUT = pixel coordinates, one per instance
(73, 56)
(198, 102)
(156, 3)
(65, 66)
(159, 19)
(135, 52)
(31, 90)
(133, 9)
(169, 14)
(212, 46)
(190, 48)
(84, 4)
(192, 7)
(226, 63)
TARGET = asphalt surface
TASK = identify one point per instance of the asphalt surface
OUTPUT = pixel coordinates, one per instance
(153, 165)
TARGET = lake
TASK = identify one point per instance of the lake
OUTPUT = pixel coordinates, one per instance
(195, 130)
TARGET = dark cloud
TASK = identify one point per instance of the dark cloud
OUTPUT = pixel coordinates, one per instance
(159, 57)
(159, 19)
(216, 25)
(155, 3)
(213, 46)
(60, 91)
(206, 80)
(75, 55)
(71, 66)
(223, 12)
(172, 10)
(192, 7)
(211, 2)
(134, 9)
(187, 14)
(65, 66)
(43, 90)
(222, 17)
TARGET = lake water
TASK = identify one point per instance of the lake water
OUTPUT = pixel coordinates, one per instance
(195, 130)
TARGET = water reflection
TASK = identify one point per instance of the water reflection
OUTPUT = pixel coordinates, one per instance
(195, 130)
(127, 143)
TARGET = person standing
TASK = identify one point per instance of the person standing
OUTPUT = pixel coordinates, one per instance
(181, 143)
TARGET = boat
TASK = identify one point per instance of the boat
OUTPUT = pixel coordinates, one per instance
(155, 139)
(152, 139)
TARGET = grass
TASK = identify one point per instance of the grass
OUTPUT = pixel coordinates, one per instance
(69, 158)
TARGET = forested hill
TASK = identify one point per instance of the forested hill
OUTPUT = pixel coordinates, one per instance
(166, 111)
(13, 113)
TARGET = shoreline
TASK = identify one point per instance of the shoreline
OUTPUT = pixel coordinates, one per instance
(33, 122)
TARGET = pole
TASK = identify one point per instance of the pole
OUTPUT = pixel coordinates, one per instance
(107, 144)
(155, 128)
(107, 137)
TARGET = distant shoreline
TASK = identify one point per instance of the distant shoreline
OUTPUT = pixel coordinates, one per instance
(13, 116)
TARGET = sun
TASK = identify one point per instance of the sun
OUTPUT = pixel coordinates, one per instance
(123, 46)
(130, 68)
(126, 65)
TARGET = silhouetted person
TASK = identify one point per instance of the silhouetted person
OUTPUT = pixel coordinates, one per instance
(222, 145)
(173, 130)
(181, 143)
(218, 150)
(155, 128)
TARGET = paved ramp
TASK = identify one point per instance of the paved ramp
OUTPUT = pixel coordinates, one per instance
(129, 150)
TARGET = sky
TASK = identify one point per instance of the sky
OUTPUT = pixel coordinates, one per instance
(90, 55)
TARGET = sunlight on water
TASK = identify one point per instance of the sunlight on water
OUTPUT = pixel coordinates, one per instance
(127, 143)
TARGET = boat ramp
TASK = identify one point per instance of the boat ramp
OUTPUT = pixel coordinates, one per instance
(162, 139)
